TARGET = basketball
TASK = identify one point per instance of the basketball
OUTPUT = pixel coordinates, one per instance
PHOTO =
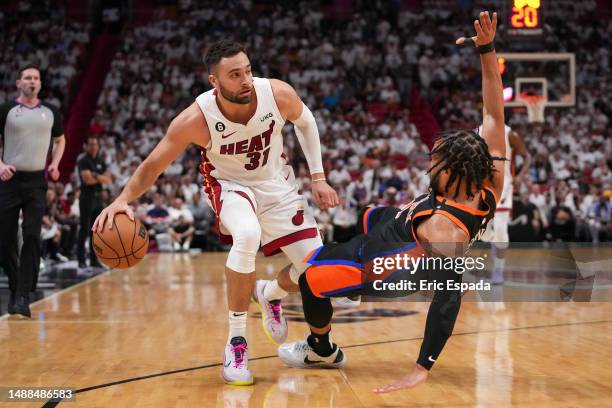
(124, 245)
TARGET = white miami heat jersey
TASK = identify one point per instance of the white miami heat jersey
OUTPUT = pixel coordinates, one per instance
(505, 202)
(248, 154)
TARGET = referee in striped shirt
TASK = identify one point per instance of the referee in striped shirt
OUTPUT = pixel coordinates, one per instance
(27, 127)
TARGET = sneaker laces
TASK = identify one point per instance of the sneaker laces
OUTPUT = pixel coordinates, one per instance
(275, 308)
(303, 346)
(239, 351)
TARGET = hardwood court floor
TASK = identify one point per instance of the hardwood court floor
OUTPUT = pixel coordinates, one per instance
(152, 336)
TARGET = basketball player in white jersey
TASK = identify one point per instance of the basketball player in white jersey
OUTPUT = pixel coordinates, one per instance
(497, 231)
(249, 184)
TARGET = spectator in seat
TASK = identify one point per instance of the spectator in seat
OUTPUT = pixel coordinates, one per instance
(344, 220)
(525, 225)
(395, 180)
(324, 221)
(181, 232)
(537, 198)
(181, 225)
(158, 217)
(541, 170)
(358, 194)
(68, 218)
(602, 174)
(600, 219)
(562, 222)
(188, 187)
(203, 215)
(389, 197)
(51, 234)
(339, 174)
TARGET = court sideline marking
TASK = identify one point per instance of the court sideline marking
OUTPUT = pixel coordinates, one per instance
(59, 292)
(52, 404)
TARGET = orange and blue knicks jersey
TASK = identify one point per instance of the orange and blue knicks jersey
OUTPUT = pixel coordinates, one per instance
(387, 235)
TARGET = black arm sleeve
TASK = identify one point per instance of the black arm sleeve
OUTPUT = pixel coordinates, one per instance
(58, 122)
(441, 319)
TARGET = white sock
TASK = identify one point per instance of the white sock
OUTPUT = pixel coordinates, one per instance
(499, 263)
(498, 270)
(273, 291)
(237, 324)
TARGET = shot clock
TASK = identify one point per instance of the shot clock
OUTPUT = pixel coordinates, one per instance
(524, 17)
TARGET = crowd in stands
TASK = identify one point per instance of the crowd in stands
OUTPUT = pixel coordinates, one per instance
(37, 31)
(358, 77)
(568, 187)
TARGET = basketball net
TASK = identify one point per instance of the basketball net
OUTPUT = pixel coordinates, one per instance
(535, 107)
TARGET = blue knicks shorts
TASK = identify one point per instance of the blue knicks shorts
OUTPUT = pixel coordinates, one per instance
(344, 269)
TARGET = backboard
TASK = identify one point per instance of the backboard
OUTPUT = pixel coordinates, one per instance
(547, 74)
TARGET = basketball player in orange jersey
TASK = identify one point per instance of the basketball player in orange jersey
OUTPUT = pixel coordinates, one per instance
(467, 178)
(497, 231)
(249, 184)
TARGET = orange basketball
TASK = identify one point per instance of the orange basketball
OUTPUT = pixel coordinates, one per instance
(123, 246)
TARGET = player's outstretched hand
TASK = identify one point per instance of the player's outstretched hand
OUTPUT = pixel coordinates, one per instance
(485, 30)
(108, 215)
(415, 377)
(323, 195)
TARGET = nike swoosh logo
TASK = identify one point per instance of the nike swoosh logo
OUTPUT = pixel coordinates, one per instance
(308, 361)
(228, 135)
(228, 363)
(238, 314)
(431, 359)
(287, 178)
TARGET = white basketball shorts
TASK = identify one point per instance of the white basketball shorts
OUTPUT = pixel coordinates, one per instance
(283, 214)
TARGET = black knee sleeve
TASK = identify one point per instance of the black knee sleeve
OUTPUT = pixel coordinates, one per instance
(317, 311)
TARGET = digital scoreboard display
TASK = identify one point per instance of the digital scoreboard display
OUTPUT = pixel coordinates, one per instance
(525, 17)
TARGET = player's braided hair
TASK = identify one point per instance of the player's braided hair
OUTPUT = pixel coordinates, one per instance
(465, 154)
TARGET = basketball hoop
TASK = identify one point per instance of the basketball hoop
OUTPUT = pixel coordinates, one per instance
(535, 106)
